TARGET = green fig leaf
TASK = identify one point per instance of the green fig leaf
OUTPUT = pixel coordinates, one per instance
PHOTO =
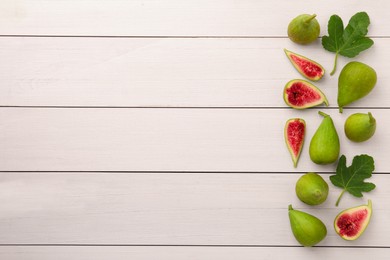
(351, 178)
(356, 47)
(349, 42)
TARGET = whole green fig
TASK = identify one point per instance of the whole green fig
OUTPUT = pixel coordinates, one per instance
(307, 229)
(303, 29)
(356, 80)
(312, 189)
(360, 127)
(325, 144)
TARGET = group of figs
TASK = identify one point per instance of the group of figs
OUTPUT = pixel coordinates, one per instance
(355, 81)
(309, 230)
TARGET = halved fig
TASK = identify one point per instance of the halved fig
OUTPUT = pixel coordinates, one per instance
(305, 66)
(294, 135)
(352, 222)
(301, 94)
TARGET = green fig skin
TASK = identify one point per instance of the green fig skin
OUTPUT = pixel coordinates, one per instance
(360, 127)
(308, 230)
(312, 189)
(304, 29)
(325, 144)
(356, 80)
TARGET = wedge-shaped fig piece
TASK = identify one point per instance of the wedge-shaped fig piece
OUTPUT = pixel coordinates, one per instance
(325, 144)
(294, 135)
(351, 223)
(308, 230)
(305, 66)
(301, 94)
(356, 81)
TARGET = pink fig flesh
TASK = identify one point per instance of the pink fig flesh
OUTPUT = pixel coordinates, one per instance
(305, 66)
(294, 134)
(352, 222)
(301, 94)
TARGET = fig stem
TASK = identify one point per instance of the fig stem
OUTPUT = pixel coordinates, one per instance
(322, 114)
(310, 18)
(338, 200)
(341, 109)
(326, 101)
(372, 119)
(334, 64)
(290, 207)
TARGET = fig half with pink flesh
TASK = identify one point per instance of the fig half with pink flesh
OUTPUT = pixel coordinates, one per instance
(301, 94)
(351, 223)
(305, 66)
(294, 135)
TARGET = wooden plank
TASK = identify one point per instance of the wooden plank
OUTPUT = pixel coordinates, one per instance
(171, 209)
(166, 72)
(176, 17)
(168, 139)
(190, 253)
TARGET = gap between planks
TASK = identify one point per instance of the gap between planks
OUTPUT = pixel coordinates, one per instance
(160, 37)
(174, 245)
(187, 107)
(172, 172)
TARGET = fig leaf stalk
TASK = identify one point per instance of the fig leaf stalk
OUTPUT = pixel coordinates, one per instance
(339, 198)
(334, 64)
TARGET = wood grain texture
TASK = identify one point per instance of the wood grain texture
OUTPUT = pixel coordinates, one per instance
(206, 174)
(171, 209)
(167, 72)
(168, 140)
(176, 17)
(187, 253)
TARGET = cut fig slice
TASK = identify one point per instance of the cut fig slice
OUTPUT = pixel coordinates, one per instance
(301, 94)
(352, 222)
(294, 135)
(305, 66)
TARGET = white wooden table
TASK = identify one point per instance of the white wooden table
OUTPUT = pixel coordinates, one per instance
(149, 129)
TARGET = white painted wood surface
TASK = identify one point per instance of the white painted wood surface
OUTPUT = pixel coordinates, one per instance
(249, 140)
(172, 208)
(146, 129)
(175, 17)
(167, 72)
(191, 253)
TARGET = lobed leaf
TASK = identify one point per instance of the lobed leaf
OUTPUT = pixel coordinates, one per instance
(351, 179)
(348, 42)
